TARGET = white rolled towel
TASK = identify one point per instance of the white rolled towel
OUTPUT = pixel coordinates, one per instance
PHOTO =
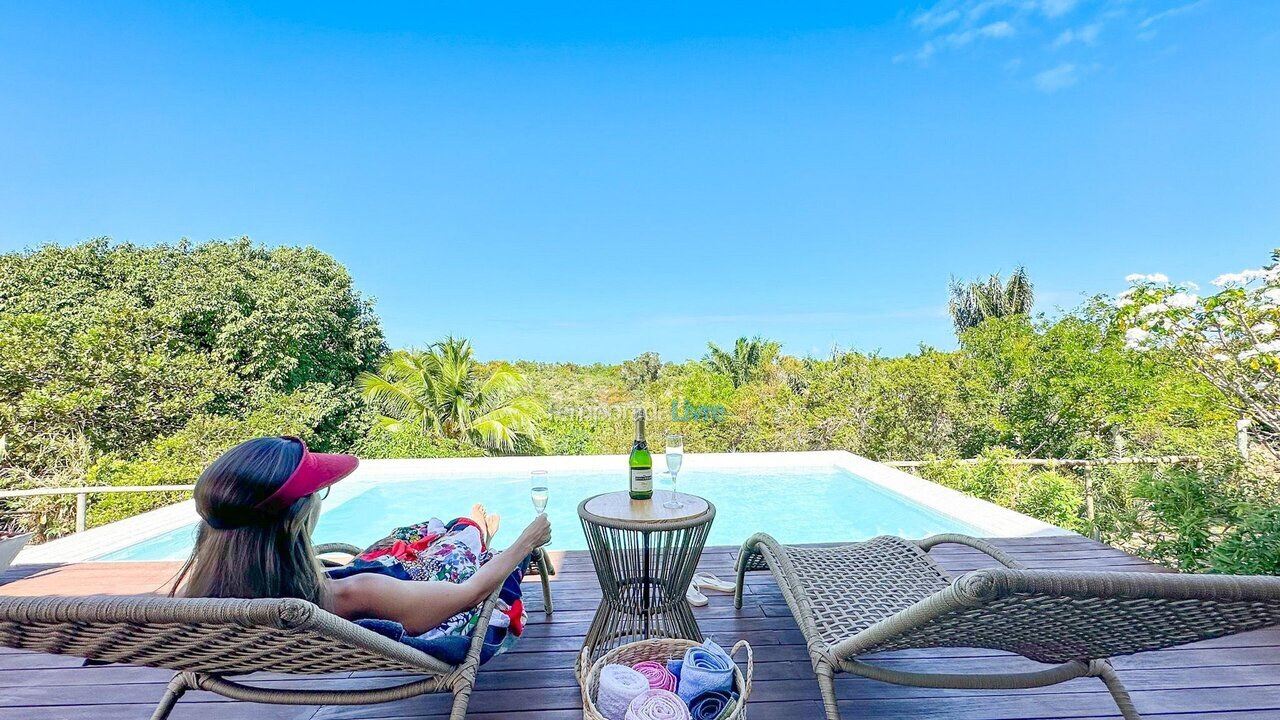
(618, 686)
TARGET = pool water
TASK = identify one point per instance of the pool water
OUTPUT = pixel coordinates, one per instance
(795, 505)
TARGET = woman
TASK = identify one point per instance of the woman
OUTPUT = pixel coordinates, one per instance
(260, 501)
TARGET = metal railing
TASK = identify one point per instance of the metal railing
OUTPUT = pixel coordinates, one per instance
(1055, 462)
(1090, 513)
(82, 494)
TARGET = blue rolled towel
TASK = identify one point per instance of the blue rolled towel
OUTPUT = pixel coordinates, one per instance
(703, 669)
(711, 704)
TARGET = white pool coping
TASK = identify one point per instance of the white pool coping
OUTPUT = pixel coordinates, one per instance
(991, 519)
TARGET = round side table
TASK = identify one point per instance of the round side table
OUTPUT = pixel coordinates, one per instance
(645, 556)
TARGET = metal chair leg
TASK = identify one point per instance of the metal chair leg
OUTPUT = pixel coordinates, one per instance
(827, 685)
(544, 572)
(742, 578)
(1104, 670)
(461, 696)
(178, 686)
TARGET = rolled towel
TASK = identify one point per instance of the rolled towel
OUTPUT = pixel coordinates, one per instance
(703, 669)
(659, 677)
(711, 705)
(655, 704)
(618, 686)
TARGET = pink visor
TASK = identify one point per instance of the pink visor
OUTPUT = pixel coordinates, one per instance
(316, 472)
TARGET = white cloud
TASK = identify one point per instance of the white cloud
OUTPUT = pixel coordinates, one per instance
(997, 30)
(1171, 12)
(935, 18)
(1001, 29)
(921, 56)
(979, 10)
(1055, 79)
(1057, 8)
(1085, 35)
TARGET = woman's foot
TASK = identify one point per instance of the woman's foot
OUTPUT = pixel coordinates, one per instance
(489, 522)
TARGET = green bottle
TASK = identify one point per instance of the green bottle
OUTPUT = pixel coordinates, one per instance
(641, 463)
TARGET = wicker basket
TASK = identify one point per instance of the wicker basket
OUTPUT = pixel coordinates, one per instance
(659, 650)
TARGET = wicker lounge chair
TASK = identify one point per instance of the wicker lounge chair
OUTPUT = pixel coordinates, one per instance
(205, 640)
(888, 594)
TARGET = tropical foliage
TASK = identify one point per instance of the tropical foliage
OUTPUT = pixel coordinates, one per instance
(444, 391)
(641, 370)
(748, 360)
(973, 302)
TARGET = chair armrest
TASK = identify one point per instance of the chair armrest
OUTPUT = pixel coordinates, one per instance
(344, 548)
(482, 628)
(335, 548)
(999, 555)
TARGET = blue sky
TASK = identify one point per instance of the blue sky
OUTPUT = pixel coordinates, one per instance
(587, 183)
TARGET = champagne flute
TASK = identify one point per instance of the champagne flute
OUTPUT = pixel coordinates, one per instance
(675, 457)
(539, 490)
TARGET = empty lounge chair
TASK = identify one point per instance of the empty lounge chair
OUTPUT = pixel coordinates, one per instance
(888, 594)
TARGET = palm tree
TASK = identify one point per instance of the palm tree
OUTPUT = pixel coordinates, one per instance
(443, 391)
(749, 358)
(973, 302)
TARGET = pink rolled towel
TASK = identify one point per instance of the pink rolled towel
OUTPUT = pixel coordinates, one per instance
(657, 674)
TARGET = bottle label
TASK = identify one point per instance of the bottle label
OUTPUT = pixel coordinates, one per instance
(641, 480)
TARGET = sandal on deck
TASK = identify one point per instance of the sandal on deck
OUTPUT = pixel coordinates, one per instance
(707, 581)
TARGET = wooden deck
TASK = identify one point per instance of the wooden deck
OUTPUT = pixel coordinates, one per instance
(1235, 678)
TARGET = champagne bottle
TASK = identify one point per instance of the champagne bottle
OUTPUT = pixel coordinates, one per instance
(641, 463)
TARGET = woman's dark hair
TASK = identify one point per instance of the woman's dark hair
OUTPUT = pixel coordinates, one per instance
(243, 552)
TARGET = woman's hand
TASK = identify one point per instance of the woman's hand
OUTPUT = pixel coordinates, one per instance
(536, 535)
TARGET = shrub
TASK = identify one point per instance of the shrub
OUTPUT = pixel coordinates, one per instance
(1052, 497)
(382, 445)
(642, 370)
(571, 436)
(178, 459)
(1252, 548)
(1045, 495)
(1185, 512)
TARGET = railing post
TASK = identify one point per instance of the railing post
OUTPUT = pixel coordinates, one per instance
(1088, 505)
(1242, 437)
(82, 509)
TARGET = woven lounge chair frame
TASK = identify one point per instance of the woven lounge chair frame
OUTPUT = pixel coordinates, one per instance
(888, 594)
(205, 640)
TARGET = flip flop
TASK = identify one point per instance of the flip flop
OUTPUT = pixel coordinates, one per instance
(694, 597)
(707, 581)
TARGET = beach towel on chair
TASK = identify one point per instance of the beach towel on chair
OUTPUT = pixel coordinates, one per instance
(438, 552)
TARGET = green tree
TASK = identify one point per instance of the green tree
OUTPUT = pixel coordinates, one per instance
(115, 347)
(641, 370)
(445, 391)
(748, 361)
(1231, 337)
(1069, 389)
(973, 302)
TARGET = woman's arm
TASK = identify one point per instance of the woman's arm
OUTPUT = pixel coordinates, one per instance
(420, 606)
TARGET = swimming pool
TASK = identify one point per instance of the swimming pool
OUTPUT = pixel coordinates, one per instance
(796, 504)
